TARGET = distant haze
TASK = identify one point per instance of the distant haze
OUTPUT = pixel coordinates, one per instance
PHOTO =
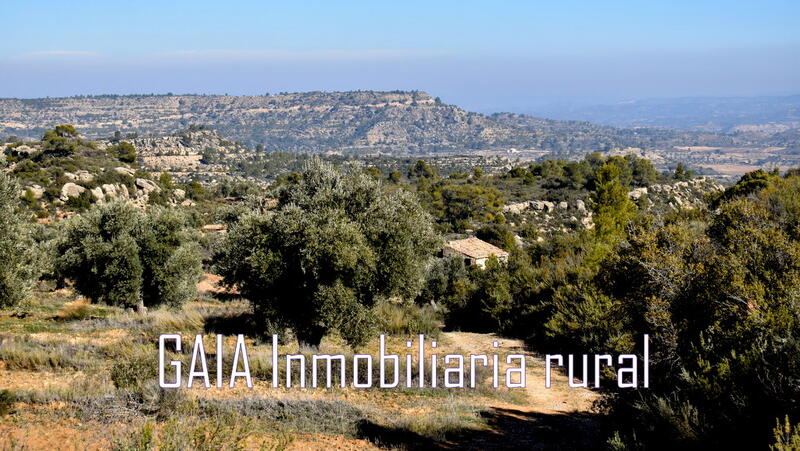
(717, 114)
(483, 56)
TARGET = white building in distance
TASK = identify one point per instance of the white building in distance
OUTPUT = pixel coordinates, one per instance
(474, 251)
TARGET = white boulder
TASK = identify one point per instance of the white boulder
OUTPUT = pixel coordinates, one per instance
(147, 186)
(124, 171)
(71, 190)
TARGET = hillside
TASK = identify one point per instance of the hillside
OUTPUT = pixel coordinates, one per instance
(411, 122)
(196, 150)
(395, 123)
(78, 367)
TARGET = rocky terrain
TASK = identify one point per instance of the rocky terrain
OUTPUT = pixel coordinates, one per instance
(54, 186)
(197, 150)
(396, 123)
(555, 217)
(411, 122)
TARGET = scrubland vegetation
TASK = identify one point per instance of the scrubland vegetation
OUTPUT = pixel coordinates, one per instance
(328, 257)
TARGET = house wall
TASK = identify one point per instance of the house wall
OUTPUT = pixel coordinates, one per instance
(479, 262)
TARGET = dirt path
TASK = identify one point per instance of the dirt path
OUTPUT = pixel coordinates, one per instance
(559, 417)
(559, 398)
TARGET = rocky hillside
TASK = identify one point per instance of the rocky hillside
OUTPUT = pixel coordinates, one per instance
(556, 217)
(396, 123)
(404, 122)
(196, 149)
(63, 174)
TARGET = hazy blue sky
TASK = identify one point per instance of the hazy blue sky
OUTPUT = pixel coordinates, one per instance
(492, 55)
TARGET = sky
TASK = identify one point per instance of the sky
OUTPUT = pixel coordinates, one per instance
(484, 56)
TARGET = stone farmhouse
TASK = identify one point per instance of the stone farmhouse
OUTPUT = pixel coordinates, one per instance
(474, 251)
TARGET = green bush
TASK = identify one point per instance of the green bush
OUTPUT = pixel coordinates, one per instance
(787, 436)
(717, 295)
(20, 259)
(60, 142)
(123, 151)
(122, 256)
(335, 243)
(408, 319)
(133, 371)
(6, 402)
(80, 203)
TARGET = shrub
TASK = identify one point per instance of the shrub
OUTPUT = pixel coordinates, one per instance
(60, 142)
(497, 234)
(717, 296)
(77, 309)
(123, 151)
(335, 243)
(6, 402)
(81, 202)
(484, 302)
(122, 256)
(452, 416)
(140, 440)
(20, 260)
(133, 371)
(221, 432)
(787, 437)
(315, 416)
(31, 355)
(442, 280)
(408, 319)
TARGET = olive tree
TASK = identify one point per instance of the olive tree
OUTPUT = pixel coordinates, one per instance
(20, 261)
(123, 256)
(335, 244)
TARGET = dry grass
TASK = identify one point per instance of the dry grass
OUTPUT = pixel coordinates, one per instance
(84, 376)
(450, 415)
(408, 319)
(93, 385)
(154, 322)
(75, 310)
(224, 432)
(31, 355)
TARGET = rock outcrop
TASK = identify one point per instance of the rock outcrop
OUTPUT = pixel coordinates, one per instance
(675, 196)
(79, 176)
(70, 189)
(549, 217)
(147, 186)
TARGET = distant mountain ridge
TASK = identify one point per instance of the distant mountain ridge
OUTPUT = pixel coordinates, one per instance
(410, 122)
(355, 122)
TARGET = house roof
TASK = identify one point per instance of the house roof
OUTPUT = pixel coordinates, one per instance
(475, 248)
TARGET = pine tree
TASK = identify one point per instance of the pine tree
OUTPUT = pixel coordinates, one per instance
(612, 207)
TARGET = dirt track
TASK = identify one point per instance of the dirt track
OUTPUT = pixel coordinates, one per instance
(556, 418)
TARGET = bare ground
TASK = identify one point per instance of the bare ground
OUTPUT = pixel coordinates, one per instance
(531, 418)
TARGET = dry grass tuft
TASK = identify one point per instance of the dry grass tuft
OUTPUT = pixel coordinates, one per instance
(31, 355)
(75, 310)
(408, 319)
(173, 321)
(451, 415)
